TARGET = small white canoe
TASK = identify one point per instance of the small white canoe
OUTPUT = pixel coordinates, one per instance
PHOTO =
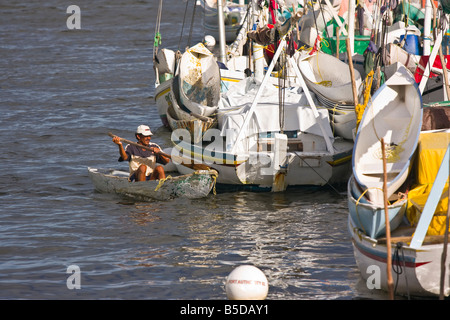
(199, 79)
(394, 114)
(329, 78)
(196, 185)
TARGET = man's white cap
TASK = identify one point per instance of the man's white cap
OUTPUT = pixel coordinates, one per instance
(144, 130)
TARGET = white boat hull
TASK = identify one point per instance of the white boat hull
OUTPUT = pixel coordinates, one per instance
(420, 267)
(164, 96)
(253, 170)
(370, 218)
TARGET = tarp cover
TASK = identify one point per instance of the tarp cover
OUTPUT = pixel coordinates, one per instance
(431, 150)
(298, 115)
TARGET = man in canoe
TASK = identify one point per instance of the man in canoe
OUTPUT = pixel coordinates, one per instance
(142, 161)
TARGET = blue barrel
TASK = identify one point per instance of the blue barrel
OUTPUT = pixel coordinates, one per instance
(411, 44)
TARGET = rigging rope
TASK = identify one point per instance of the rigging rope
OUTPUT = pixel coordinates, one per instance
(326, 181)
(192, 24)
(182, 27)
(157, 38)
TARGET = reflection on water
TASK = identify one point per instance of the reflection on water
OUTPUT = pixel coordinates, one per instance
(145, 213)
(289, 236)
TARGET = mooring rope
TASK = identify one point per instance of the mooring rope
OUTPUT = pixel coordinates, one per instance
(182, 27)
(161, 182)
(318, 174)
(398, 268)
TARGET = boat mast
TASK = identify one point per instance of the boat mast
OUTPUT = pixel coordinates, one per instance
(427, 29)
(351, 26)
(258, 50)
(221, 23)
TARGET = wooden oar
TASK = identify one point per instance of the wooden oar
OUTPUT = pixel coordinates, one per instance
(194, 166)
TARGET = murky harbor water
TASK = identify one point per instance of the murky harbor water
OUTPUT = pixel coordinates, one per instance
(61, 92)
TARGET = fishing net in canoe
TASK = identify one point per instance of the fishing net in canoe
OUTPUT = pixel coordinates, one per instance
(200, 182)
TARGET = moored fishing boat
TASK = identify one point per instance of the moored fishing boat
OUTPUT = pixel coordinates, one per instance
(418, 267)
(395, 115)
(189, 82)
(417, 243)
(178, 117)
(195, 185)
(272, 170)
(262, 145)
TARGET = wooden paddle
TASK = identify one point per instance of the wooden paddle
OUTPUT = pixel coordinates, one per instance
(194, 166)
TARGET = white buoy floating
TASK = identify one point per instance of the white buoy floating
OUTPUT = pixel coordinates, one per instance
(246, 283)
(209, 41)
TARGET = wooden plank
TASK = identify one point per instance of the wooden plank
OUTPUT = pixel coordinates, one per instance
(407, 240)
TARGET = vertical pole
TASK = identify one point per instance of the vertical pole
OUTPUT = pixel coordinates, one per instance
(338, 33)
(221, 24)
(258, 50)
(434, 52)
(390, 282)
(427, 28)
(352, 73)
(445, 73)
(351, 26)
